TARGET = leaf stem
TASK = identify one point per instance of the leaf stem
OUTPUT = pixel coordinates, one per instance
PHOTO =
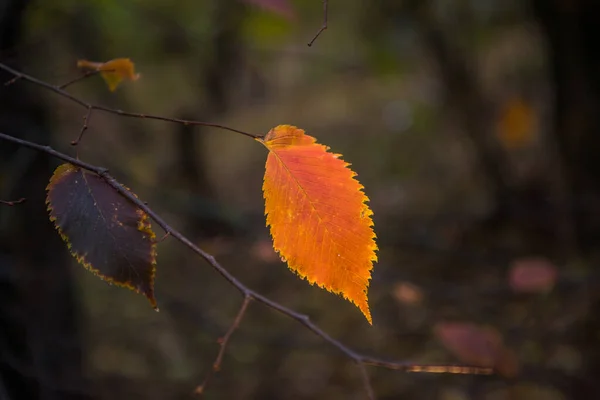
(83, 76)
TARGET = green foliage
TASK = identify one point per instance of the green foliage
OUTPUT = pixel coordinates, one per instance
(266, 28)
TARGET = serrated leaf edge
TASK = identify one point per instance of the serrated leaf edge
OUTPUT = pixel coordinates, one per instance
(366, 212)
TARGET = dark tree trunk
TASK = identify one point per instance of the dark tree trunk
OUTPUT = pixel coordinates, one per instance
(571, 30)
(40, 349)
(533, 208)
(219, 73)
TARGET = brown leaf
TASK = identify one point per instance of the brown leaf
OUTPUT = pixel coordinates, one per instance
(481, 346)
(517, 124)
(532, 275)
(408, 293)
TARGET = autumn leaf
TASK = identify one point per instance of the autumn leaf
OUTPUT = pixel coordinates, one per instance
(479, 345)
(318, 216)
(532, 275)
(104, 231)
(517, 124)
(113, 71)
(408, 293)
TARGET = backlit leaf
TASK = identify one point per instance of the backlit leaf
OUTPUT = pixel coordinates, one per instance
(113, 71)
(318, 216)
(104, 231)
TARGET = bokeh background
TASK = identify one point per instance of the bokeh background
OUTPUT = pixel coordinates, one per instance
(473, 124)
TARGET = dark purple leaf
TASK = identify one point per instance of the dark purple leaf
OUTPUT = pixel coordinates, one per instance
(104, 231)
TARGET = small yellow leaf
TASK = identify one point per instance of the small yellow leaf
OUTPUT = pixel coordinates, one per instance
(517, 124)
(113, 71)
(318, 216)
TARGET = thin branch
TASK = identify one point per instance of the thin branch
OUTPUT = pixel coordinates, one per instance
(223, 342)
(61, 92)
(162, 239)
(324, 26)
(429, 369)
(83, 76)
(13, 202)
(248, 293)
(86, 120)
(11, 81)
(366, 381)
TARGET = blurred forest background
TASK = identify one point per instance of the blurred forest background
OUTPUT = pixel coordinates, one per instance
(473, 124)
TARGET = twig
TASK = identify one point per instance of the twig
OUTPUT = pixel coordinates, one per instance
(14, 202)
(366, 381)
(86, 120)
(216, 367)
(324, 26)
(11, 81)
(429, 369)
(67, 95)
(162, 239)
(303, 319)
(83, 76)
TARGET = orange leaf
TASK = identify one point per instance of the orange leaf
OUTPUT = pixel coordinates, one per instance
(517, 124)
(408, 293)
(113, 71)
(318, 215)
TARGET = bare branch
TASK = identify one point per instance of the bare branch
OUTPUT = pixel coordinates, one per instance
(324, 26)
(223, 344)
(13, 202)
(366, 381)
(361, 359)
(58, 90)
(11, 81)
